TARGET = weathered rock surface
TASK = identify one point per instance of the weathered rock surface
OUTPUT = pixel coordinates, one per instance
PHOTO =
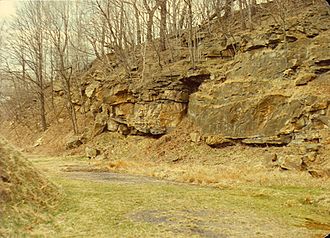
(304, 79)
(73, 142)
(90, 89)
(259, 103)
(292, 162)
(91, 152)
(256, 112)
(152, 107)
(257, 88)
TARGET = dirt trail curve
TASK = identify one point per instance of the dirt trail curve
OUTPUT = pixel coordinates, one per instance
(176, 210)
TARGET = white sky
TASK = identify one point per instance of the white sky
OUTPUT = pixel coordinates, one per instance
(7, 8)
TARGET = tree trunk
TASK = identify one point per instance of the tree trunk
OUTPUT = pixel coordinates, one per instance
(249, 6)
(150, 21)
(39, 71)
(71, 108)
(138, 26)
(174, 17)
(162, 34)
(241, 11)
(228, 8)
(253, 4)
(191, 35)
(150, 24)
(183, 15)
(121, 27)
(42, 109)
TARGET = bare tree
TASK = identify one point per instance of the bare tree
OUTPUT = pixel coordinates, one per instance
(58, 30)
(183, 15)
(151, 9)
(242, 13)
(191, 34)
(28, 49)
(2, 25)
(137, 23)
(162, 29)
(115, 30)
(174, 13)
(228, 8)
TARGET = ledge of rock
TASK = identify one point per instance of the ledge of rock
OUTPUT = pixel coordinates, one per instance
(152, 107)
(257, 112)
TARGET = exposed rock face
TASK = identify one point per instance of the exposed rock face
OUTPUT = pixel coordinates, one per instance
(153, 107)
(256, 112)
(266, 87)
(273, 94)
(90, 89)
(261, 87)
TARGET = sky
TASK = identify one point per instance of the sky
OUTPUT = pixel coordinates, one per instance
(7, 8)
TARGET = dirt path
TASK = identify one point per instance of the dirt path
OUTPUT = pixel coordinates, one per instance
(109, 177)
(118, 205)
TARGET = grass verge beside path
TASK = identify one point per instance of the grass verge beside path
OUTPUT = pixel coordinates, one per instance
(106, 207)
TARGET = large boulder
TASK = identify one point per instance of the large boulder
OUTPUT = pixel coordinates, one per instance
(73, 142)
(91, 152)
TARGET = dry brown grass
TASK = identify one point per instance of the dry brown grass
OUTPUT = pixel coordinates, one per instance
(174, 157)
(214, 175)
(24, 192)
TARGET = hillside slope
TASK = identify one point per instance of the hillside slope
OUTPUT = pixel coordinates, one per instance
(24, 193)
(261, 92)
(256, 88)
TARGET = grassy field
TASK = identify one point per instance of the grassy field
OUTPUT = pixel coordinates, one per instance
(116, 205)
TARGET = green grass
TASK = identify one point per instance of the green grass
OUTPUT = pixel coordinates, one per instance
(157, 209)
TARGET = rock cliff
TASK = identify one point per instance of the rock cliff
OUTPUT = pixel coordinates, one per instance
(269, 86)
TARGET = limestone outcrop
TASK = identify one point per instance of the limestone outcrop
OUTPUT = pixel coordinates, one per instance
(152, 107)
(258, 112)
(276, 88)
(266, 87)
(261, 87)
